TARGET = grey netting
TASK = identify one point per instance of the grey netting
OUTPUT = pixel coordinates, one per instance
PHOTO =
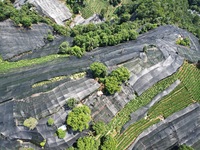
(40, 106)
(142, 112)
(148, 77)
(180, 128)
(80, 20)
(48, 49)
(44, 104)
(54, 9)
(14, 41)
(48, 132)
(18, 100)
(104, 108)
(6, 144)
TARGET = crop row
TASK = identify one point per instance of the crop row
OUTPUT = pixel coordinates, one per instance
(124, 115)
(133, 132)
(171, 104)
(181, 97)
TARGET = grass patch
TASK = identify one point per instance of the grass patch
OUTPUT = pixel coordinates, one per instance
(184, 95)
(52, 80)
(6, 66)
(75, 76)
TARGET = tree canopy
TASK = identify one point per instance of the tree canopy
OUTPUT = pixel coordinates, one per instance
(112, 85)
(98, 69)
(99, 127)
(31, 123)
(79, 118)
(185, 147)
(71, 103)
(109, 143)
(50, 121)
(88, 143)
(61, 133)
(122, 74)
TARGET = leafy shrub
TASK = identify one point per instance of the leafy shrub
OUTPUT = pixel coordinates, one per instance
(125, 17)
(122, 74)
(98, 69)
(109, 143)
(114, 2)
(50, 37)
(50, 121)
(184, 41)
(88, 143)
(60, 29)
(147, 27)
(63, 48)
(99, 127)
(71, 148)
(42, 144)
(133, 35)
(145, 49)
(79, 118)
(76, 51)
(26, 21)
(61, 133)
(30, 123)
(71, 103)
(185, 147)
(112, 85)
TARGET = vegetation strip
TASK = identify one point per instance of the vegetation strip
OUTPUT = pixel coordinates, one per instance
(7, 66)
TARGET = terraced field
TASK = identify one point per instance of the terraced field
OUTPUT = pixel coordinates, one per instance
(95, 6)
(123, 116)
(185, 94)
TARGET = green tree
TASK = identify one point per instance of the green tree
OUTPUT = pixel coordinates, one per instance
(185, 147)
(71, 148)
(79, 118)
(125, 17)
(196, 20)
(145, 49)
(61, 133)
(122, 74)
(31, 123)
(76, 51)
(60, 29)
(103, 12)
(88, 143)
(64, 47)
(98, 69)
(71, 103)
(50, 121)
(198, 33)
(124, 35)
(104, 39)
(112, 85)
(109, 143)
(50, 37)
(133, 35)
(99, 127)
(184, 42)
(42, 144)
(26, 21)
